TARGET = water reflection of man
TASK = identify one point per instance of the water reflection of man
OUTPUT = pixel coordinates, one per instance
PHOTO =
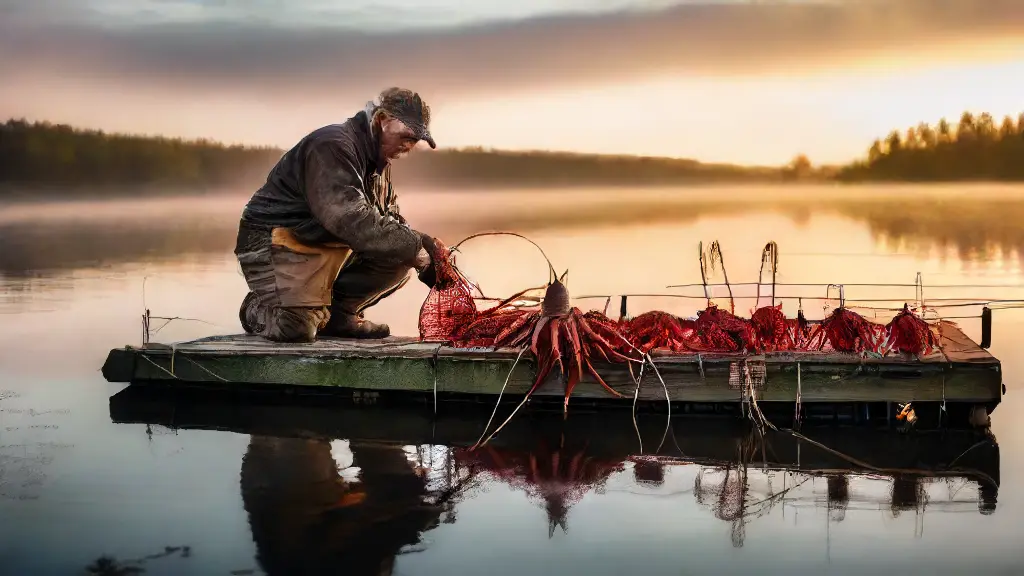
(322, 240)
(306, 519)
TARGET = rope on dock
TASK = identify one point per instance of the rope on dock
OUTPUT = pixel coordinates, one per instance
(916, 284)
(799, 391)
(636, 394)
(161, 368)
(668, 402)
(171, 371)
(943, 391)
(646, 359)
(433, 366)
(762, 420)
(496, 404)
(205, 369)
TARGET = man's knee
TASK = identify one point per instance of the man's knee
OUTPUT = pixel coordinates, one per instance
(368, 274)
(294, 324)
(364, 282)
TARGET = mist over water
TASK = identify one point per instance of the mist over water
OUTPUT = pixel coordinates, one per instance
(265, 494)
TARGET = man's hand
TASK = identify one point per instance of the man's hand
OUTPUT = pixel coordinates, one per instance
(422, 260)
(427, 274)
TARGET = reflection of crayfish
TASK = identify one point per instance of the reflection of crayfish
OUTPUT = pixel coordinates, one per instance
(557, 477)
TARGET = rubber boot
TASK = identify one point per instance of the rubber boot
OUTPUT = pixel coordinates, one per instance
(342, 325)
(248, 314)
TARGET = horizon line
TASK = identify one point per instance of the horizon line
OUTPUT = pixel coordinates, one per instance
(440, 148)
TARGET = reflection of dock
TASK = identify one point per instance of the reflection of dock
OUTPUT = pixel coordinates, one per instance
(852, 464)
(730, 460)
(959, 376)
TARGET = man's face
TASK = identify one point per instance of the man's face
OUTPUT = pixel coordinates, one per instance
(396, 138)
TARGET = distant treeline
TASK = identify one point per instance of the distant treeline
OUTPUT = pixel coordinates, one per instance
(44, 154)
(469, 167)
(41, 154)
(977, 148)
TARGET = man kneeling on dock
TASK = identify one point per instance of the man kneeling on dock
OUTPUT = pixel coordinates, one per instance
(322, 240)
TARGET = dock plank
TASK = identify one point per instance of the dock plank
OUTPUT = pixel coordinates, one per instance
(960, 371)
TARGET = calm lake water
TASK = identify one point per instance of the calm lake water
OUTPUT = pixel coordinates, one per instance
(253, 489)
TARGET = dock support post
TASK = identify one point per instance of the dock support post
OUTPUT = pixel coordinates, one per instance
(623, 311)
(986, 327)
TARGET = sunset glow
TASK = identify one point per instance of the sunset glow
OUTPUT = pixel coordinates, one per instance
(715, 81)
(831, 117)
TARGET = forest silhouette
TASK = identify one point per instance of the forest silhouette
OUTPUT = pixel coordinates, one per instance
(56, 155)
(36, 155)
(976, 149)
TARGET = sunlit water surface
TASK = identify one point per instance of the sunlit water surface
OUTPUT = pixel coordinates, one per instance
(74, 486)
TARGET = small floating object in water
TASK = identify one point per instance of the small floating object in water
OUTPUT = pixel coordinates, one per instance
(907, 415)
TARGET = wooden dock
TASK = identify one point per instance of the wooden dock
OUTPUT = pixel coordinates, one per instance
(960, 374)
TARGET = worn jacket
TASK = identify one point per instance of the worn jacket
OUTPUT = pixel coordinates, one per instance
(333, 186)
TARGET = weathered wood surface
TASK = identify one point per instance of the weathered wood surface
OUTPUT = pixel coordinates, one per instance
(960, 371)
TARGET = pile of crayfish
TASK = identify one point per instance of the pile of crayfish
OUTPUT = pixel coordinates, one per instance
(555, 332)
(559, 334)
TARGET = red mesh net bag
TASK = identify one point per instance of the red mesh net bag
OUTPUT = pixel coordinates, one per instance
(487, 327)
(449, 306)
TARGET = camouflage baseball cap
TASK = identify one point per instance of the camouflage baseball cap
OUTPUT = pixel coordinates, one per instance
(407, 106)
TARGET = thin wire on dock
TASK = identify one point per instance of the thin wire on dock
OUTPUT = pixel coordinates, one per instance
(854, 284)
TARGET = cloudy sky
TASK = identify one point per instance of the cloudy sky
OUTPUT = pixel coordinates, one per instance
(754, 81)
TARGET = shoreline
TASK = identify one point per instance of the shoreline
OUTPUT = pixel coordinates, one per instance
(11, 195)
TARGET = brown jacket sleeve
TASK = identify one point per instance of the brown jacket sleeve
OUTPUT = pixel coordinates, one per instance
(334, 190)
